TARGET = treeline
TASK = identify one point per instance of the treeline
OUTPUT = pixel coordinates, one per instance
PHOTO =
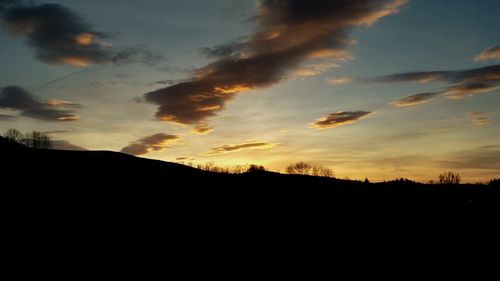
(33, 139)
(299, 168)
(308, 169)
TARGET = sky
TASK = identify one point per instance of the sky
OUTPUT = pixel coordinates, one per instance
(370, 88)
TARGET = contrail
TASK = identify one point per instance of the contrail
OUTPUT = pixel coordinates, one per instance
(60, 79)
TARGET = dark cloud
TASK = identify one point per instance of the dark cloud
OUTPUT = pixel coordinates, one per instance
(60, 36)
(490, 54)
(490, 146)
(339, 118)
(66, 145)
(145, 145)
(221, 51)
(479, 118)
(463, 83)
(415, 99)
(237, 147)
(17, 98)
(203, 128)
(420, 77)
(289, 33)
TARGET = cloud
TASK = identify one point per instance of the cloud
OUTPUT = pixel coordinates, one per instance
(461, 91)
(475, 75)
(147, 144)
(66, 145)
(463, 83)
(60, 36)
(479, 118)
(7, 117)
(203, 129)
(29, 105)
(221, 51)
(474, 159)
(415, 100)
(339, 81)
(291, 35)
(490, 54)
(238, 147)
(339, 118)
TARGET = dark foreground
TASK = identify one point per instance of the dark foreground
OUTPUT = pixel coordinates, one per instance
(89, 181)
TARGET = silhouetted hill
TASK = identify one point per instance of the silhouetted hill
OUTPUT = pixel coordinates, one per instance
(104, 179)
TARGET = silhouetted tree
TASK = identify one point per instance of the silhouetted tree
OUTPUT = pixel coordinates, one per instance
(320, 171)
(304, 168)
(14, 135)
(449, 178)
(237, 169)
(299, 168)
(494, 182)
(256, 168)
(37, 140)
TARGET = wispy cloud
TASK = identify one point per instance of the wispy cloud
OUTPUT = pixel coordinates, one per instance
(305, 37)
(479, 118)
(29, 105)
(339, 118)
(203, 129)
(414, 100)
(490, 54)
(7, 117)
(463, 83)
(156, 142)
(474, 159)
(461, 91)
(61, 36)
(237, 147)
(339, 81)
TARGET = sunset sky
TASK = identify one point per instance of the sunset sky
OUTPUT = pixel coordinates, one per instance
(370, 88)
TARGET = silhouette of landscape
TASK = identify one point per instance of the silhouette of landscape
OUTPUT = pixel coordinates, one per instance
(293, 108)
(103, 175)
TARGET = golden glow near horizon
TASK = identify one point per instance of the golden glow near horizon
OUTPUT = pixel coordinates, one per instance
(354, 93)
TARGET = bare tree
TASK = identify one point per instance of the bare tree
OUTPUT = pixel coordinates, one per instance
(449, 178)
(304, 168)
(37, 140)
(299, 168)
(320, 171)
(14, 135)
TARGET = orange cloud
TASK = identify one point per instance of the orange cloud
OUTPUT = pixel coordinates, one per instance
(479, 118)
(297, 37)
(156, 142)
(85, 39)
(414, 100)
(490, 54)
(468, 90)
(203, 129)
(61, 36)
(464, 83)
(29, 105)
